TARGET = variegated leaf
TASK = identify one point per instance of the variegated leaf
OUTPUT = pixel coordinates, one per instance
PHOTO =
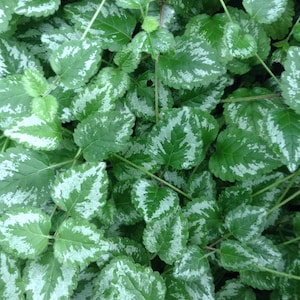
(133, 4)
(36, 8)
(24, 232)
(35, 84)
(45, 107)
(45, 278)
(75, 62)
(82, 190)
(6, 11)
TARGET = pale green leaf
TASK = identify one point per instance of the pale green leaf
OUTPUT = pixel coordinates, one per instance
(246, 222)
(265, 12)
(195, 63)
(36, 8)
(24, 232)
(35, 84)
(11, 285)
(35, 133)
(82, 190)
(75, 62)
(290, 84)
(77, 242)
(124, 279)
(283, 127)
(167, 237)
(103, 133)
(133, 4)
(25, 178)
(150, 24)
(241, 155)
(45, 107)
(152, 201)
(45, 278)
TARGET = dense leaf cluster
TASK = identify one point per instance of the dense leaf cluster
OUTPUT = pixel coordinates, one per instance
(149, 149)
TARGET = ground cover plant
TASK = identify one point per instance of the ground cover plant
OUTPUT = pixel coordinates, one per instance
(149, 149)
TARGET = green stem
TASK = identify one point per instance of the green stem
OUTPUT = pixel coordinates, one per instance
(93, 19)
(290, 276)
(153, 176)
(5, 145)
(251, 98)
(297, 239)
(156, 94)
(291, 32)
(226, 11)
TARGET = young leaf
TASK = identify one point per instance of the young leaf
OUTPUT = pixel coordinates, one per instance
(24, 232)
(77, 243)
(246, 222)
(25, 178)
(123, 279)
(283, 127)
(153, 201)
(75, 62)
(167, 237)
(45, 107)
(103, 133)
(290, 84)
(35, 133)
(195, 63)
(11, 285)
(35, 84)
(266, 12)
(45, 278)
(241, 155)
(82, 190)
(36, 8)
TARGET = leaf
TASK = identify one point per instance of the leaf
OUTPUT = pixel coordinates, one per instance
(6, 11)
(11, 285)
(167, 237)
(45, 107)
(195, 63)
(25, 178)
(283, 128)
(103, 133)
(259, 280)
(246, 222)
(152, 201)
(77, 243)
(128, 58)
(35, 133)
(150, 24)
(239, 45)
(75, 62)
(82, 190)
(234, 289)
(36, 8)
(266, 12)
(34, 83)
(290, 287)
(109, 85)
(123, 279)
(241, 155)
(24, 232)
(182, 147)
(235, 256)
(113, 26)
(133, 4)
(45, 278)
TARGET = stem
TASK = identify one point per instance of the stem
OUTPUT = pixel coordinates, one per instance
(93, 19)
(153, 176)
(226, 11)
(251, 98)
(5, 145)
(291, 276)
(290, 241)
(291, 32)
(156, 93)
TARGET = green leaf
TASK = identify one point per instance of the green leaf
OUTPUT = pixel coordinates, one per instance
(182, 147)
(45, 107)
(24, 232)
(239, 45)
(195, 63)
(77, 243)
(290, 288)
(35, 133)
(36, 8)
(259, 280)
(167, 237)
(82, 190)
(128, 58)
(6, 11)
(150, 24)
(113, 26)
(234, 289)
(45, 278)
(103, 133)
(25, 178)
(123, 279)
(153, 201)
(11, 285)
(236, 256)
(296, 32)
(241, 155)
(266, 12)
(102, 94)
(296, 224)
(34, 83)
(133, 4)
(246, 222)
(290, 84)
(283, 127)
(75, 62)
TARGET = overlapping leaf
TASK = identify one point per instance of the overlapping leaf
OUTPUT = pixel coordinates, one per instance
(36, 8)
(35, 84)
(24, 232)
(82, 190)
(6, 11)
(45, 107)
